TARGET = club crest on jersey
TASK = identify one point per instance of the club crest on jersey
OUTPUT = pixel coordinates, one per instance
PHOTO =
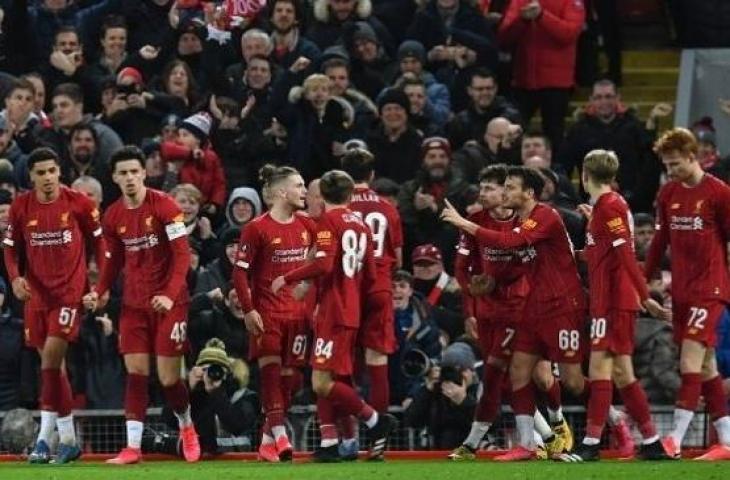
(64, 219)
(616, 225)
(276, 241)
(698, 206)
(305, 237)
(675, 206)
(122, 229)
(95, 214)
(148, 222)
(529, 224)
(32, 223)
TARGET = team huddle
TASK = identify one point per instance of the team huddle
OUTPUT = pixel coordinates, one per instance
(318, 292)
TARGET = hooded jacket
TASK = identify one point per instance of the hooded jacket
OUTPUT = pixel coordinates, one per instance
(326, 30)
(248, 194)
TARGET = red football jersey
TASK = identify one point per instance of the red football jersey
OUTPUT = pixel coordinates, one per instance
(543, 242)
(149, 245)
(51, 241)
(505, 265)
(384, 222)
(344, 264)
(695, 223)
(611, 278)
(268, 250)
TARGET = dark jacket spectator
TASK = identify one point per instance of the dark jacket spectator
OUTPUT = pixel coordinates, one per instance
(415, 329)
(484, 105)
(46, 20)
(316, 122)
(655, 360)
(722, 351)
(446, 402)
(148, 23)
(624, 133)
(331, 20)
(421, 200)
(371, 67)
(395, 144)
(288, 37)
(437, 27)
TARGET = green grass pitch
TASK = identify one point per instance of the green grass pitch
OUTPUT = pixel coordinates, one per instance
(392, 470)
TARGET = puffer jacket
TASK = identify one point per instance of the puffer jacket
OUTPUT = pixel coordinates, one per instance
(543, 49)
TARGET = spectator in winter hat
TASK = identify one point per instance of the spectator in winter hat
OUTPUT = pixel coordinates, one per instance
(411, 59)
(195, 162)
(332, 16)
(421, 200)
(244, 204)
(395, 144)
(372, 67)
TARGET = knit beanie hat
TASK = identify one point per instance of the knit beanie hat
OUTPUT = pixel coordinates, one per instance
(215, 353)
(412, 48)
(363, 31)
(199, 125)
(433, 143)
(459, 355)
(131, 72)
(394, 95)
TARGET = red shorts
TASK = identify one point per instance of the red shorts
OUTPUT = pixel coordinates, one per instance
(284, 338)
(333, 348)
(496, 338)
(697, 321)
(377, 331)
(560, 338)
(614, 332)
(62, 322)
(147, 331)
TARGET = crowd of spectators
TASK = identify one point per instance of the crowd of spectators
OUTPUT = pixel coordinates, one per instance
(211, 91)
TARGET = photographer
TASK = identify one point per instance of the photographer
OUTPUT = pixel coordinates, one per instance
(134, 113)
(417, 335)
(224, 410)
(445, 403)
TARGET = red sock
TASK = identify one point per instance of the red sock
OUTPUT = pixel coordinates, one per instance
(50, 389)
(598, 404)
(271, 394)
(326, 414)
(177, 397)
(65, 396)
(553, 396)
(290, 385)
(489, 404)
(714, 397)
(379, 396)
(348, 426)
(637, 406)
(523, 400)
(348, 402)
(689, 392)
(136, 398)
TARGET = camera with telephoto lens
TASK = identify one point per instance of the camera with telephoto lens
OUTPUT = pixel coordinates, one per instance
(215, 372)
(416, 363)
(125, 90)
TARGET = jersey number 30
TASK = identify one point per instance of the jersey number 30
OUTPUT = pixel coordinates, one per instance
(353, 252)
